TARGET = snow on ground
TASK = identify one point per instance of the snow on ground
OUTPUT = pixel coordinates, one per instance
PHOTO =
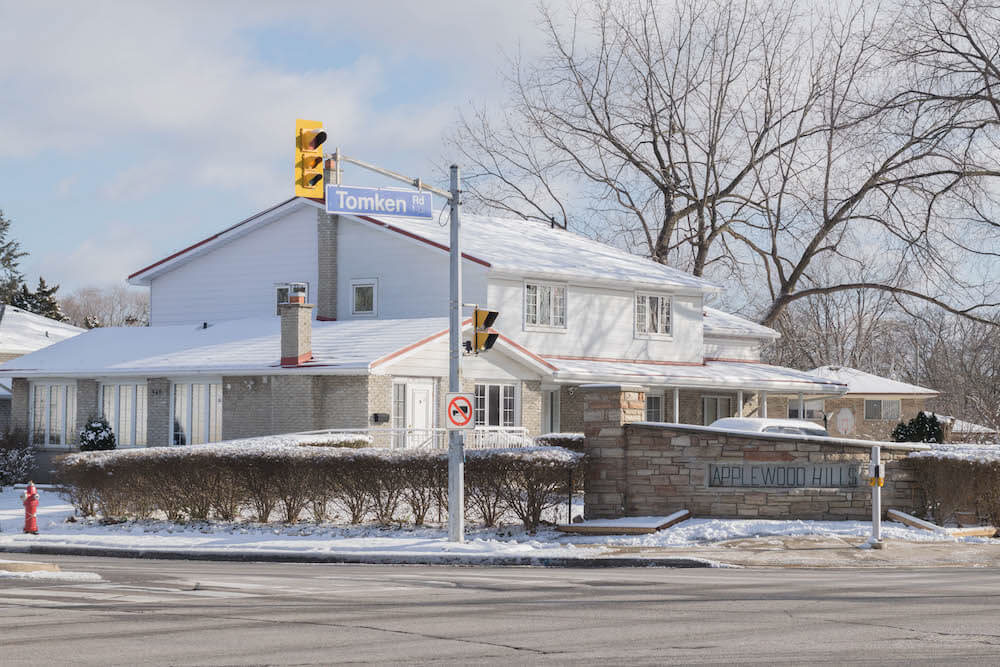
(430, 541)
(63, 577)
(960, 452)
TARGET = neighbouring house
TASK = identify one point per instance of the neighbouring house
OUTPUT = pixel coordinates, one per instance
(22, 332)
(958, 430)
(871, 408)
(230, 353)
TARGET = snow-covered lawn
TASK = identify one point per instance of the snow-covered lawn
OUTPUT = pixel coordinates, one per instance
(373, 541)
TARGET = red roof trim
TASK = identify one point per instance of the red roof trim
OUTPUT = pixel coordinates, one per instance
(413, 346)
(422, 239)
(210, 238)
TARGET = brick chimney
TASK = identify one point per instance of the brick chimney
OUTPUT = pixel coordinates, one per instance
(296, 327)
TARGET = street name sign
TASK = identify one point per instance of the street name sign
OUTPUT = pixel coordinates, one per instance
(459, 411)
(356, 200)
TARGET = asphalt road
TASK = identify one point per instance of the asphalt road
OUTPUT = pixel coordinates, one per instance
(209, 613)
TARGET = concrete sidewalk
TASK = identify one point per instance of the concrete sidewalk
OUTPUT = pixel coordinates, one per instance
(771, 552)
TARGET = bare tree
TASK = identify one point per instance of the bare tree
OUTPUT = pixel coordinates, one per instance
(117, 306)
(749, 140)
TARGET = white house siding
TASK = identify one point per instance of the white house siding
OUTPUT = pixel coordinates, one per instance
(600, 323)
(413, 278)
(237, 279)
(732, 348)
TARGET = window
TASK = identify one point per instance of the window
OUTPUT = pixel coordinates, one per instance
(197, 413)
(654, 407)
(652, 315)
(364, 297)
(545, 305)
(814, 409)
(717, 407)
(494, 405)
(882, 410)
(399, 414)
(281, 296)
(124, 406)
(52, 418)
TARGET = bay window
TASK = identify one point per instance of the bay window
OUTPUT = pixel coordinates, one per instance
(197, 413)
(545, 305)
(52, 417)
(124, 406)
(494, 405)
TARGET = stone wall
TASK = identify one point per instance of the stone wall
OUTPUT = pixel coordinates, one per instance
(531, 406)
(637, 470)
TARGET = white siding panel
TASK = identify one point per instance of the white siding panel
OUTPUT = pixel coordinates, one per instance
(732, 348)
(412, 276)
(600, 324)
(236, 280)
(431, 360)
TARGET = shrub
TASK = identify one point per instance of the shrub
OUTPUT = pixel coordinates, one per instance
(570, 441)
(922, 428)
(958, 478)
(265, 474)
(97, 434)
(17, 459)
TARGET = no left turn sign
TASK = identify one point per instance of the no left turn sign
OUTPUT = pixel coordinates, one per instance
(459, 411)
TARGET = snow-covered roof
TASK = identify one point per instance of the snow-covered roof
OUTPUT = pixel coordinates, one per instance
(233, 347)
(713, 374)
(957, 425)
(506, 245)
(860, 382)
(22, 332)
(719, 323)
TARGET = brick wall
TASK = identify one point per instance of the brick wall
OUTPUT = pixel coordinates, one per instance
(19, 404)
(326, 244)
(638, 470)
(343, 401)
(380, 399)
(531, 406)
(158, 412)
(873, 430)
(570, 410)
(87, 404)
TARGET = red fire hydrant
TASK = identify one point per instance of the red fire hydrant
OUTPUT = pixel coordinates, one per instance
(30, 500)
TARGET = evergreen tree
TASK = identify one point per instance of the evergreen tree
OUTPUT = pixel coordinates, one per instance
(922, 428)
(45, 302)
(10, 255)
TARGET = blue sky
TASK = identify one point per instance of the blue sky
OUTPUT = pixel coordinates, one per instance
(129, 130)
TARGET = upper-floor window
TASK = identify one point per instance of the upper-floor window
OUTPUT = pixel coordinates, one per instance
(124, 406)
(545, 305)
(652, 315)
(52, 418)
(882, 410)
(364, 297)
(281, 296)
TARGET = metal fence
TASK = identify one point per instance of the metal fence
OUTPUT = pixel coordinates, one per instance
(481, 437)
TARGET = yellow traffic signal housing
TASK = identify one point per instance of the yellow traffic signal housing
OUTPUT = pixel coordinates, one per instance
(483, 338)
(309, 138)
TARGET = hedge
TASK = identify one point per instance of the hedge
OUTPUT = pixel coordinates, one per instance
(279, 478)
(954, 479)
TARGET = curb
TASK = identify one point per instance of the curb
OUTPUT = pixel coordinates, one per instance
(362, 559)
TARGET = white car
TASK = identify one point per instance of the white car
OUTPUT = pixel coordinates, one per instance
(762, 425)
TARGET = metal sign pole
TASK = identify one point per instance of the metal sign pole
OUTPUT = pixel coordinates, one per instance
(877, 497)
(456, 445)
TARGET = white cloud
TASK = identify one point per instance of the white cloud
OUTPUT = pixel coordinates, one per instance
(121, 250)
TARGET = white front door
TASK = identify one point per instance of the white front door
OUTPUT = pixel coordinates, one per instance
(420, 412)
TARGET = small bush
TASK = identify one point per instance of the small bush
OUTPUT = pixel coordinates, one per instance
(922, 428)
(96, 435)
(947, 485)
(17, 459)
(570, 441)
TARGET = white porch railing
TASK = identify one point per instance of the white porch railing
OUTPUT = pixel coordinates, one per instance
(481, 437)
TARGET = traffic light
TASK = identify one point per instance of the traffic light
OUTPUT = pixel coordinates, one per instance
(309, 138)
(483, 338)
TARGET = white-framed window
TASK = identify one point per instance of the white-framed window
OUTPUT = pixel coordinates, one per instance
(494, 405)
(281, 295)
(813, 410)
(544, 306)
(653, 315)
(52, 417)
(196, 413)
(882, 409)
(717, 407)
(399, 413)
(364, 297)
(654, 407)
(124, 406)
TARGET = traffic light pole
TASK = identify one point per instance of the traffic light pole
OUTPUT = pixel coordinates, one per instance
(456, 445)
(456, 439)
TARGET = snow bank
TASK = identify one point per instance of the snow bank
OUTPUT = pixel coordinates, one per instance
(958, 452)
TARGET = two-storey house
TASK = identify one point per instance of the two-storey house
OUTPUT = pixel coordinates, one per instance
(222, 358)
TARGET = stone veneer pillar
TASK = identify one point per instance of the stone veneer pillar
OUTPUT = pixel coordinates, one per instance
(606, 409)
(326, 244)
(87, 405)
(158, 412)
(19, 396)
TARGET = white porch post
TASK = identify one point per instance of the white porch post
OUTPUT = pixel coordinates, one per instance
(739, 403)
(802, 407)
(763, 404)
(677, 405)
